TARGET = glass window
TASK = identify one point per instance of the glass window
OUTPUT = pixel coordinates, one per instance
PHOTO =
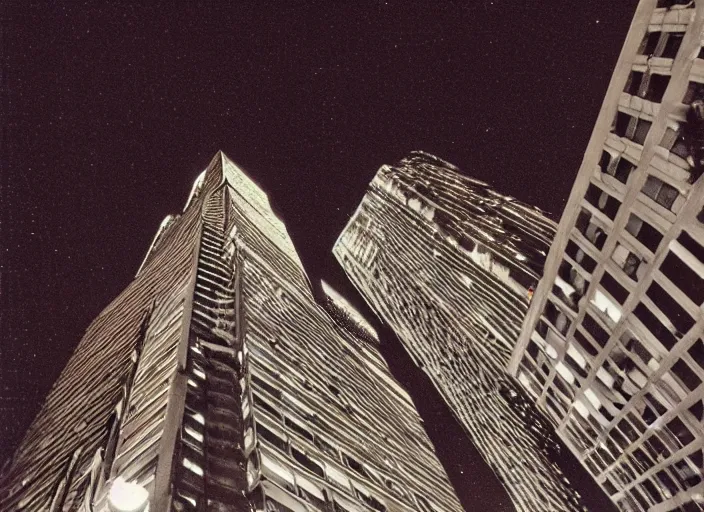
(657, 84)
(633, 84)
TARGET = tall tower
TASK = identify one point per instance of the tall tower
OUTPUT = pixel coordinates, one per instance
(612, 348)
(215, 382)
(449, 264)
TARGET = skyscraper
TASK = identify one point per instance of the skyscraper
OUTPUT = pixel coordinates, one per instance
(215, 382)
(612, 348)
(449, 264)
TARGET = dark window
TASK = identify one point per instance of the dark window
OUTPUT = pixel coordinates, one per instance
(614, 288)
(623, 169)
(578, 255)
(680, 431)
(657, 447)
(532, 350)
(695, 91)
(644, 232)
(556, 317)
(609, 487)
(683, 277)
(641, 132)
(697, 352)
(667, 482)
(697, 410)
(637, 349)
(596, 331)
(266, 387)
(261, 404)
(685, 475)
(325, 446)
(649, 415)
(654, 325)
(691, 245)
(604, 161)
(304, 461)
(650, 42)
(674, 40)
(628, 430)
(575, 368)
(356, 466)
(660, 191)
(656, 87)
(641, 460)
(602, 200)
(680, 147)
(686, 375)
(674, 311)
(619, 438)
(667, 195)
(621, 124)
(670, 3)
(563, 387)
(272, 438)
(630, 266)
(584, 343)
(633, 84)
(639, 498)
(298, 429)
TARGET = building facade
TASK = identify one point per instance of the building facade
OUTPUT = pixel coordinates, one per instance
(449, 265)
(215, 382)
(612, 347)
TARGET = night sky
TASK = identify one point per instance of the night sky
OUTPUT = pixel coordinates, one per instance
(110, 112)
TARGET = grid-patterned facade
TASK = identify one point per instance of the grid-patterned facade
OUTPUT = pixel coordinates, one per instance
(215, 382)
(447, 262)
(612, 348)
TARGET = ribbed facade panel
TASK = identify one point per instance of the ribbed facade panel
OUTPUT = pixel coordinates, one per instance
(447, 262)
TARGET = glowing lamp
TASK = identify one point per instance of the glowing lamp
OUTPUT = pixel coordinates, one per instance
(127, 497)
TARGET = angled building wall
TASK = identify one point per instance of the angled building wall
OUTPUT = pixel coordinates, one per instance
(612, 346)
(215, 382)
(449, 264)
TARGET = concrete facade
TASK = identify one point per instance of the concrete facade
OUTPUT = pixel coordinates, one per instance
(611, 349)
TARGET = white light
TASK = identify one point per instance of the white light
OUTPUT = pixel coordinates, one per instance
(520, 257)
(564, 372)
(582, 409)
(189, 464)
(194, 434)
(199, 418)
(127, 497)
(248, 438)
(550, 350)
(593, 398)
(606, 306)
(199, 373)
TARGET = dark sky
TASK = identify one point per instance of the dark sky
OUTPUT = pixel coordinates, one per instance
(110, 112)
